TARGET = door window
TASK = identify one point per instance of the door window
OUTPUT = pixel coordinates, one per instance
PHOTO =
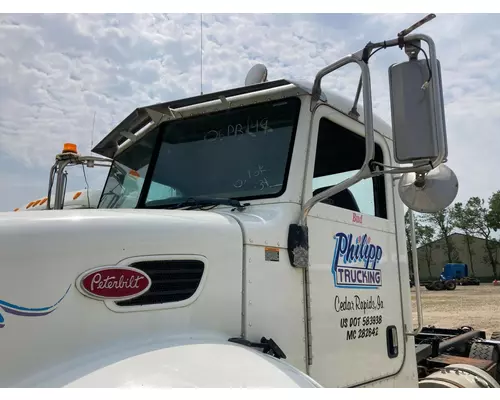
(339, 155)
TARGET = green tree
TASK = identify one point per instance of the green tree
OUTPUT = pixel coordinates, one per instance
(483, 227)
(444, 226)
(493, 221)
(493, 217)
(424, 234)
(463, 218)
(495, 247)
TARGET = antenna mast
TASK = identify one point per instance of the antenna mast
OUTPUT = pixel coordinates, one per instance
(201, 53)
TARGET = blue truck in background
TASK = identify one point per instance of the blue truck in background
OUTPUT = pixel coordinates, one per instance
(452, 274)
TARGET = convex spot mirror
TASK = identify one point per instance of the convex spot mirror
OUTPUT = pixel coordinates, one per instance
(430, 193)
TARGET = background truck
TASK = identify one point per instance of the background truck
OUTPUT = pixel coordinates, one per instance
(253, 237)
(460, 272)
(453, 274)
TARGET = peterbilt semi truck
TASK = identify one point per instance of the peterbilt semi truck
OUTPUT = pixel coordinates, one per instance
(252, 237)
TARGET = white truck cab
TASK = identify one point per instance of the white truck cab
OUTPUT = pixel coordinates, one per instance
(258, 241)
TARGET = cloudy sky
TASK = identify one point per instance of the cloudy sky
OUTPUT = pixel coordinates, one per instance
(57, 70)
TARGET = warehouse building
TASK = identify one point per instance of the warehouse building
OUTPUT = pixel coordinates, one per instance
(433, 257)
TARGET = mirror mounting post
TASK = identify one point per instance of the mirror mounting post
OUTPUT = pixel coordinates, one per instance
(365, 170)
(298, 244)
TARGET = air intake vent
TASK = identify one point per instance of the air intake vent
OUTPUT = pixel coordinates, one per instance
(172, 281)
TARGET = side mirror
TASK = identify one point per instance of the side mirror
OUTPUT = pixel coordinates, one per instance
(416, 95)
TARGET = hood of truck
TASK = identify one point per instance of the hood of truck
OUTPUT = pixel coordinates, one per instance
(208, 364)
(45, 320)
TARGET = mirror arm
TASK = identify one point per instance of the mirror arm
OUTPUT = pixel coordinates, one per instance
(51, 183)
(57, 172)
(365, 170)
(60, 184)
(298, 240)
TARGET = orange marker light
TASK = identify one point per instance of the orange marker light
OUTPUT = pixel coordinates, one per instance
(77, 194)
(70, 148)
(134, 173)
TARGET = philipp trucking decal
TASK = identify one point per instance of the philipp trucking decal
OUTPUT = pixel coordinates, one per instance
(356, 262)
(113, 283)
(28, 311)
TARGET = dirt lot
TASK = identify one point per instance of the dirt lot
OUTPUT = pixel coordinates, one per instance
(476, 306)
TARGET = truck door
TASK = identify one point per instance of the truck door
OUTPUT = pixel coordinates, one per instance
(355, 290)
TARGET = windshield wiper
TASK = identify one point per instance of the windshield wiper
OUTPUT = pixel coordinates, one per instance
(200, 201)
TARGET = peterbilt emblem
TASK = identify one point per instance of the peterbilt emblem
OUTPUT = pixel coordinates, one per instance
(113, 283)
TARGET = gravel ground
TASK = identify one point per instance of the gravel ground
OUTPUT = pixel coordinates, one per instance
(475, 306)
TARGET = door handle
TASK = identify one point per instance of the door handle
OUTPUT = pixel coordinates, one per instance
(392, 341)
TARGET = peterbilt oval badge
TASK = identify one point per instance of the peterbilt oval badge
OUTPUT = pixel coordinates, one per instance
(113, 283)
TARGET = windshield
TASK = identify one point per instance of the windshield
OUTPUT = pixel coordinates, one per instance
(240, 154)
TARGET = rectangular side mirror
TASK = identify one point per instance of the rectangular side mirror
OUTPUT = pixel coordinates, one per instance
(418, 123)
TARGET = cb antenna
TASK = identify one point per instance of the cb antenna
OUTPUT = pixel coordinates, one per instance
(201, 53)
(416, 25)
